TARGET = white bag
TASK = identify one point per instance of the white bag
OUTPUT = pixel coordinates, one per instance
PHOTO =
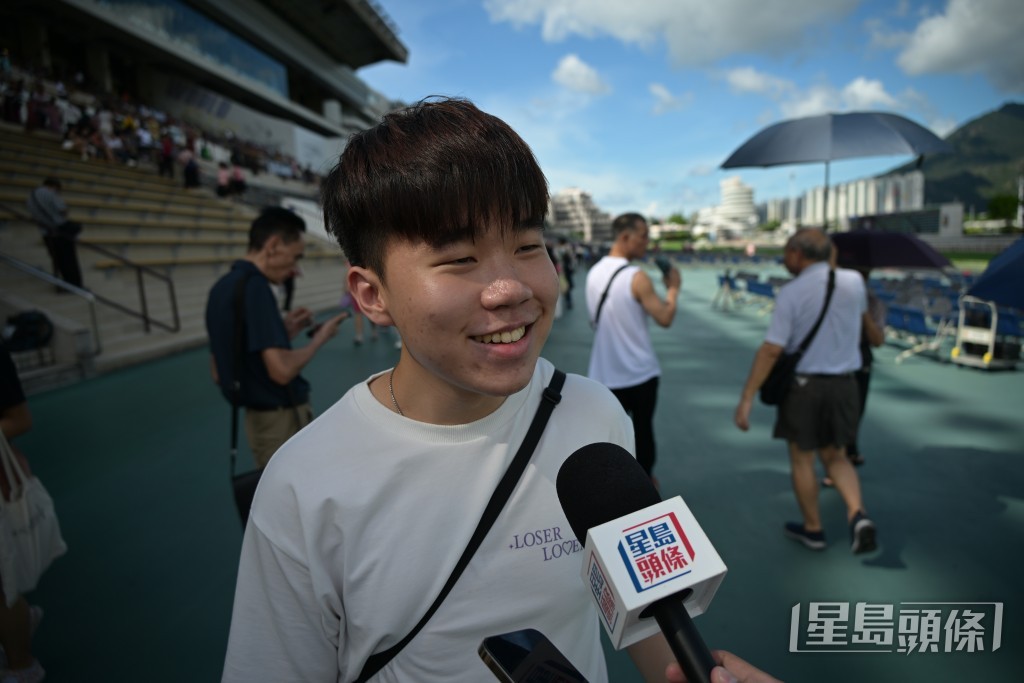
(29, 533)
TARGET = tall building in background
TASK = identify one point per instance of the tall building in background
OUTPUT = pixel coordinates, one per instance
(573, 213)
(281, 73)
(737, 205)
(863, 197)
(735, 216)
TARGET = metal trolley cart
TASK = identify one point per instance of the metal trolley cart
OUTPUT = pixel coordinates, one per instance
(986, 337)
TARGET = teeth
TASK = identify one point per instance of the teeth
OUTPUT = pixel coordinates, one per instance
(502, 337)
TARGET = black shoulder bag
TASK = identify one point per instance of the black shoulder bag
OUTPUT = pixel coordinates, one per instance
(780, 379)
(551, 397)
(604, 295)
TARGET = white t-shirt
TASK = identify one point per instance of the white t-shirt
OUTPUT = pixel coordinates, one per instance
(622, 355)
(835, 349)
(361, 516)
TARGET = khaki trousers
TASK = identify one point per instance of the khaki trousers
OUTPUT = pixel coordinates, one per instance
(267, 430)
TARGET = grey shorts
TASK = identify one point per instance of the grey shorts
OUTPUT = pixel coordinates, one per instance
(819, 411)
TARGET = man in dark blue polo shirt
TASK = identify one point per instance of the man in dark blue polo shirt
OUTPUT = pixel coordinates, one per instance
(275, 396)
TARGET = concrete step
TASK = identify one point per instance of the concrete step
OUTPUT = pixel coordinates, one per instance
(192, 237)
(28, 176)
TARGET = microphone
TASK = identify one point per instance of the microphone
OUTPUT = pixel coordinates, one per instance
(642, 557)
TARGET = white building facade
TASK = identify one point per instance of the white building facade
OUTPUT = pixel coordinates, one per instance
(573, 213)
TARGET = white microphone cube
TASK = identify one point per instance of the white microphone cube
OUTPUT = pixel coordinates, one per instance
(633, 561)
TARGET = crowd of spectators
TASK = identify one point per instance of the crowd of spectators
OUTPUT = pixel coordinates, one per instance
(126, 131)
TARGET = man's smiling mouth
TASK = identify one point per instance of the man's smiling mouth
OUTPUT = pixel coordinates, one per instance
(502, 337)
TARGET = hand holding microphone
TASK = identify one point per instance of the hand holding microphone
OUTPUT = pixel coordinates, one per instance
(643, 557)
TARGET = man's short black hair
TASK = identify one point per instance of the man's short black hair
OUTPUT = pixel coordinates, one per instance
(626, 221)
(438, 172)
(50, 181)
(275, 220)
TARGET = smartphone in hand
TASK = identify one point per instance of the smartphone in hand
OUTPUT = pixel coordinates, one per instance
(316, 326)
(527, 656)
(664, 265)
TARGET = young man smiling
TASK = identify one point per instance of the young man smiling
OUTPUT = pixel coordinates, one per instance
(361, 517)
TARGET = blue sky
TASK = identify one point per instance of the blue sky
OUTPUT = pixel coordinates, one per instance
(639, 101)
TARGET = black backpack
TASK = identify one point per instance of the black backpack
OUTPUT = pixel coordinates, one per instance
(28, 330)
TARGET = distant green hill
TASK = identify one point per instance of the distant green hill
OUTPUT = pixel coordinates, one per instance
(987, 158)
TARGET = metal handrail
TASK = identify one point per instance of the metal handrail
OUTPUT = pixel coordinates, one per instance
(140, 269)
(143, 301)
(90, 298)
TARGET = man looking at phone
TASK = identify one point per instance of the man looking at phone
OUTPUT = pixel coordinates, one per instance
(620, 298)
(274, 394)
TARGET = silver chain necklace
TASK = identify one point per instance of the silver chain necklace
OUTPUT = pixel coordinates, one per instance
(391, 390)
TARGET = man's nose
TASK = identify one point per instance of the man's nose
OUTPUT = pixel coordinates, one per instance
(505, 287)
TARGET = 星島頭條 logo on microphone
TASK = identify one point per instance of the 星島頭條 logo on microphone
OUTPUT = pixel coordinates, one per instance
(656, 551)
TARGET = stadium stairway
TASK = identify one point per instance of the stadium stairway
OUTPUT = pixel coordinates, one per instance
(188, 236)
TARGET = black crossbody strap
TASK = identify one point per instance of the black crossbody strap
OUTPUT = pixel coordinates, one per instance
(238, 348)
(604, 295)
(821, 316)
(552, 395)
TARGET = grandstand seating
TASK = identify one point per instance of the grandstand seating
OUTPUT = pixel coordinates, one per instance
(190, 235)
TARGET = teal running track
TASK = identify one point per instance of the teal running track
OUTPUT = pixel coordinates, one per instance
(137, 464)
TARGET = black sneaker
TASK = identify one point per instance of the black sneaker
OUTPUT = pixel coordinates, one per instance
(862, 531)
(815, 540)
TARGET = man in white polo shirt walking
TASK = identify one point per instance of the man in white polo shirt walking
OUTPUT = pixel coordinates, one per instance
(821, 409)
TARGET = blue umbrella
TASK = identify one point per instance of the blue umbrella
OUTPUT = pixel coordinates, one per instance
(1003, 280)
(827, 137)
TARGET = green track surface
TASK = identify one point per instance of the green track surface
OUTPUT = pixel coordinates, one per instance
(137, 464)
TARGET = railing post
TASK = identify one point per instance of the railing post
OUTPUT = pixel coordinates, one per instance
(142, 300)
(174, 305)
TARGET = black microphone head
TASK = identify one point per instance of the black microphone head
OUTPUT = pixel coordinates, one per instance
(601, 482)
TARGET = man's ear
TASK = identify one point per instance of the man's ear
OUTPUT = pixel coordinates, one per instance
(365, 287)
(272, 245)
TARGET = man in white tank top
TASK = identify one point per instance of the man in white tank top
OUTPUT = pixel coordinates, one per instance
(620, 298)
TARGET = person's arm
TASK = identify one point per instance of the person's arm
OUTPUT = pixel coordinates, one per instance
(15, 417)
(663, 311)
(656, 663)
(730, 669)
(284, 365)
(764, 361)
(213, 370)
(297, 320)
(277, 631)
(652, 657)
(16, 420)
(875, 334)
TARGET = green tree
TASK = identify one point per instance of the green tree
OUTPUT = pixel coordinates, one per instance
(1002, 206)
(677, 218)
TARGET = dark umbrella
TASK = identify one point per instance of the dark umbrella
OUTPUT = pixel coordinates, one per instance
(827, 137)
(1003, 280)
(872, 249)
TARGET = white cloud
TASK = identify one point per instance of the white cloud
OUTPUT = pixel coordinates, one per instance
(817, 99)
(883, 37)
(971, 37)
(749, 80)
(943, 126)
(865, 93)
(665, 101)
(794, 102)
(702, 170)
(694, 31)
(576, 75)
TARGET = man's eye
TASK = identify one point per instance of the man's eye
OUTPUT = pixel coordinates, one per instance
(462, 261)
(530, 247)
